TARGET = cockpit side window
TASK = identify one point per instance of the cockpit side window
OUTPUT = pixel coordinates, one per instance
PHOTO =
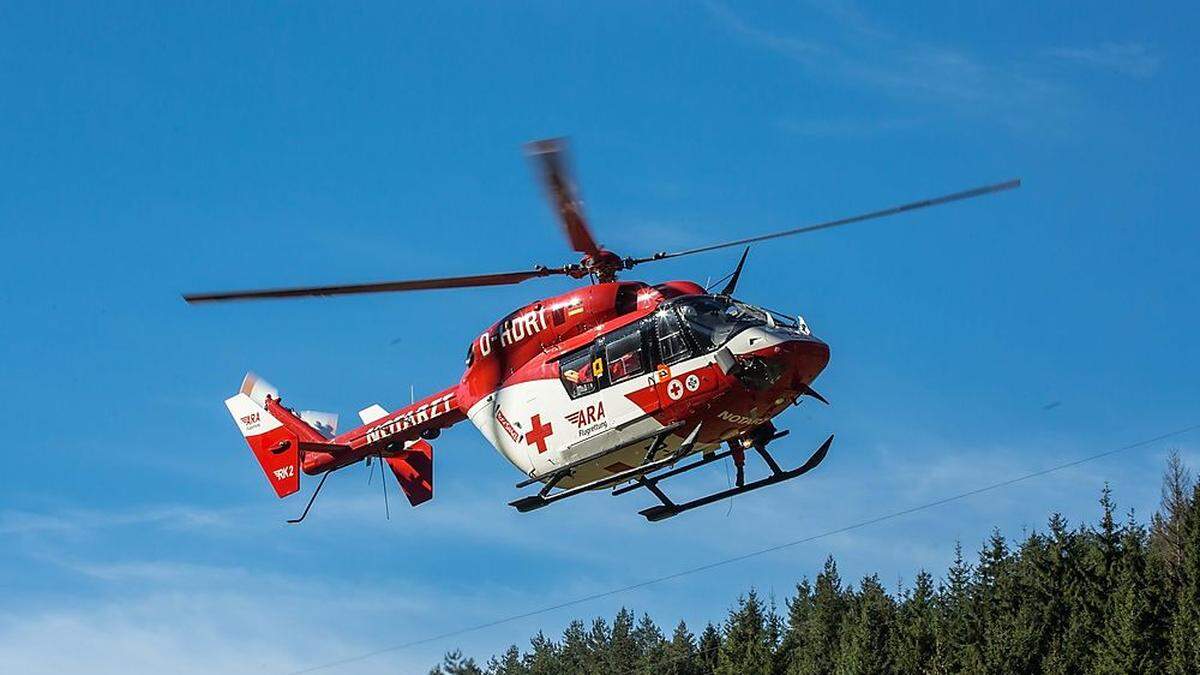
(623, 354)
(704, 317)
(713, 320)
(672, 343)
(580, 373)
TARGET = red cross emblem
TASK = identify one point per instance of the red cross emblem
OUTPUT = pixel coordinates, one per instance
(538, 433)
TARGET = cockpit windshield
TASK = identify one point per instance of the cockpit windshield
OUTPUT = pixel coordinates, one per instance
(712, 319)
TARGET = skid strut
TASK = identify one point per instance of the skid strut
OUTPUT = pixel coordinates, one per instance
(706, 459)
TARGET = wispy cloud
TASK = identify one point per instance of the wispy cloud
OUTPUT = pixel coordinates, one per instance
(157, 615)
(193, 625)
(864, 54)
(1132, 59)
(899, 66)
(72, 521)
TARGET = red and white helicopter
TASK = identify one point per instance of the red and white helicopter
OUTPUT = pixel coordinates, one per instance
(609, 386)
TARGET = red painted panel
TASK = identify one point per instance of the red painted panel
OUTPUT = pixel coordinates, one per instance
(278, 453)
(413, 469)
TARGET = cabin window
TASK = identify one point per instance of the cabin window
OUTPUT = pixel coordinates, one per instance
(578, 373)
(672, 343)
(624, 354)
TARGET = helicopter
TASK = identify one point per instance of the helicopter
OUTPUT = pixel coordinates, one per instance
(615, 385)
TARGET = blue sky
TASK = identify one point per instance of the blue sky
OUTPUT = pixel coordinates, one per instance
(150, 150)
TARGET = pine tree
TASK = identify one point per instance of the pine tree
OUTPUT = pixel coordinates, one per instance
(799, 612)
(746, 648)
(574, 652)
(1129, 643)
(543, 658)
(1109, 540)
(957, 635)
(990, 608)
(455, 664)
(1093, 557)
(822, 631)
(775, 629)
(867, 631)
(1009, 636)
(598, 642)
(1184, 655)
(914, 636)
(1090, 557)
(622, 652)
(1069, 596)
(649, 646)
(680, 656)
(1162, 604)
(710, 649)
(510, 663)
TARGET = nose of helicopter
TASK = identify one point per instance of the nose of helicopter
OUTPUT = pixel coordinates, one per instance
(789, 359)
(805, 357)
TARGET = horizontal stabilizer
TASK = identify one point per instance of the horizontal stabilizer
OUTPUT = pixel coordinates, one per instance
(413, 469)
(372, 413)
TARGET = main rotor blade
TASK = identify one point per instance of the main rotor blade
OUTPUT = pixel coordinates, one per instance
(912, 206)
(551, 157)
(501, 279)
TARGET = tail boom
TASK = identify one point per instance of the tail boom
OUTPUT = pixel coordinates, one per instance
(285, 444)
(395, 431)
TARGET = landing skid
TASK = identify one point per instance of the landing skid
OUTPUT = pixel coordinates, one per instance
(669, 508)
(654, 470)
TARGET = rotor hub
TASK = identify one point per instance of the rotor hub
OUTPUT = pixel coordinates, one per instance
(604, 265)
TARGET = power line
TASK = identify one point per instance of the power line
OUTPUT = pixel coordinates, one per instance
(745, 556)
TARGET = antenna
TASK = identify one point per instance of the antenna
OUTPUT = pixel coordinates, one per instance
(387, 510)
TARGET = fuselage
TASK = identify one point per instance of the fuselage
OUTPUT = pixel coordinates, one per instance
(569, 377)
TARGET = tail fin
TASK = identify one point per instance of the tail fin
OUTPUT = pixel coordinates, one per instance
(275, 437)
(276, 447)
